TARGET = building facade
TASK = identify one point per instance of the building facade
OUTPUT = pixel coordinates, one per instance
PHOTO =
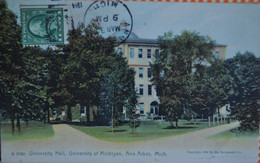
(139, 53)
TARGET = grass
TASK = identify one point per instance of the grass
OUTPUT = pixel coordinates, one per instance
(148, 130)
(35, 130)
(234, 134)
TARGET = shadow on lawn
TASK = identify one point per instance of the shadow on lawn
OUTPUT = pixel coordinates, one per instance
(74, 123)
(117, 131)
(182, 127)
(191, 123)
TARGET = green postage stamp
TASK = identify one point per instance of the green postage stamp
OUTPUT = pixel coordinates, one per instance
(42, 26)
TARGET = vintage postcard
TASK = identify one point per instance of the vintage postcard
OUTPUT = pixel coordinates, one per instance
(129, 81)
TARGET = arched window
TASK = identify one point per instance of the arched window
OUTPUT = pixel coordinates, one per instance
(154, 109)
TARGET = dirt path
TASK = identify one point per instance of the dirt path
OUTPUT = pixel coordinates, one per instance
(68, 140)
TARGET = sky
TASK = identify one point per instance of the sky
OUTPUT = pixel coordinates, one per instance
(234, 25)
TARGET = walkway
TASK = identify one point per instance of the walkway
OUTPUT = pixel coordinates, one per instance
(71, 145)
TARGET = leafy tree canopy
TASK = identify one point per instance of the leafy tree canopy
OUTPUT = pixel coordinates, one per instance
(173, 70)
(245, 103)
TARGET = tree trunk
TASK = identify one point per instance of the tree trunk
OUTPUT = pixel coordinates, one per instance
(27, 123)
(192, 118)
(18, 124)
(48, 112)
(112, 119)
(88, 113)
(176, 122)
(134, 127)
(12, 120)
(69, 116)
(171, 123)
(95, 117)
(44, 118)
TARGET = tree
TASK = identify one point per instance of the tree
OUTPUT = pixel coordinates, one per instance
(245, 102)
(10, 60)
(22, 72)
(117, 91)
(134, 122)
(180, 57)
(93, 74)
(216, 86)
(37, 73)
(79, 78)
(57, 95)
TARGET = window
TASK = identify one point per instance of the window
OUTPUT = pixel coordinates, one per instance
(149, 89)
(141, 89)
(82, 109)
(141, 72)
(119, 51)
(140, 53)
(157, 53)
(141, 108)
(54, 112)
(217, 54)
(132, 53)
(149, 72)
(148, 53)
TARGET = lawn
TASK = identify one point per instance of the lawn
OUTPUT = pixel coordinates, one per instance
(147, 131)
(234, 134)
(35, 130)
